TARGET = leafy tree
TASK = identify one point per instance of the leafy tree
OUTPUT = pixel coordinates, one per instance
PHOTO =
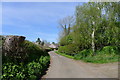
(66, 40)
(96, 26)
(66, 23)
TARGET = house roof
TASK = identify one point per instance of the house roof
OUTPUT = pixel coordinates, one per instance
(53, 46)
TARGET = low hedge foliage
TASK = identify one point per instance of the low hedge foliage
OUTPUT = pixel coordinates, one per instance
(105, 55)
(82, 54)
(32, 68)
(70, 49)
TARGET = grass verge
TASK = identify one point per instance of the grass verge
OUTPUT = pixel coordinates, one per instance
(99, 58)
(68, 56)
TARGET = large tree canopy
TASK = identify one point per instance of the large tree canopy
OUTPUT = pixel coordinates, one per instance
(96, 26)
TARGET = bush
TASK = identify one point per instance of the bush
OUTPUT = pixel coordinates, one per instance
(34, 51)
(107, 54)
(32, 68)
(83, 54)
(12, 71)
(66, 40)
(110, 50)
(70, 49)
(31, 71)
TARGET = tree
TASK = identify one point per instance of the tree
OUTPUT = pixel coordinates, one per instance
(88, 18)
(113, 18)
(96, 26)
(38, 41)
(42, 43)
(66, 23)
(53, 42)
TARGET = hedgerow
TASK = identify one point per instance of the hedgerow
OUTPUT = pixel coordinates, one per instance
(32, 67)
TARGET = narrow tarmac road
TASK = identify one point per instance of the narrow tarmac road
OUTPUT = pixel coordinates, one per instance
(62, 67)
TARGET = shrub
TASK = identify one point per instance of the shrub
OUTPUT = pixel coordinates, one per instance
(110, 50)
(68, 49)
(66, 40)
(32, 68)
(107, 54)
(34, 51)
(31, 71)
(12, 71)
(82, 54)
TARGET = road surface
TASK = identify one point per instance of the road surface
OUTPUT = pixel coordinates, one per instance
(62, 67)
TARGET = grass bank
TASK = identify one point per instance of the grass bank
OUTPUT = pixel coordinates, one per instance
(107, 55)
(68, 56)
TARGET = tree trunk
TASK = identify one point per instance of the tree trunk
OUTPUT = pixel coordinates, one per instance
(68, 29)
(93, 43)
(65, 30)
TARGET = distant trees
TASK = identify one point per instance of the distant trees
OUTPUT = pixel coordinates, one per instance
(65, 24)
(38, 40)
(96, 25)
(53, 42)
(42, 43)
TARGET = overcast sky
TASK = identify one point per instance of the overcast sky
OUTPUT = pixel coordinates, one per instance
(35, 19)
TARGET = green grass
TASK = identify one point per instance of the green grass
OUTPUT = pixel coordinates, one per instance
(68, 56)
(102, 56)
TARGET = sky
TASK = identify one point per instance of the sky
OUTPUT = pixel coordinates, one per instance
(35, 19)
